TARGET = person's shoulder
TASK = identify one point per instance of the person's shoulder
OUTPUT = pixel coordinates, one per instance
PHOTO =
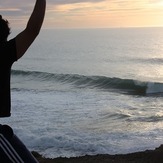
(10, 44)
(8, 49)
(6, 43)
(11, 41)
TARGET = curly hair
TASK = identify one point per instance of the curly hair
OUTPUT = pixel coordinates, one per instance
(4, 29)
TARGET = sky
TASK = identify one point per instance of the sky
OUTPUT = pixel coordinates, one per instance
(87, 13)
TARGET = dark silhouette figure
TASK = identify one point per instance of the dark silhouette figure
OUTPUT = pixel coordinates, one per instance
(11, 148)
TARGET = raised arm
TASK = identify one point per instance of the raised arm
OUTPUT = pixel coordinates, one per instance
(26, 37)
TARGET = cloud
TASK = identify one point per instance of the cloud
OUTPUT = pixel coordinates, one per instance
(155, 1)
(82, 11)
(23, 3)
(73, 1)
(8, 7)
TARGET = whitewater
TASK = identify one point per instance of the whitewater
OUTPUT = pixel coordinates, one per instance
(89, 91)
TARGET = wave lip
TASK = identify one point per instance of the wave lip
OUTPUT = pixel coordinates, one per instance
(154, 88)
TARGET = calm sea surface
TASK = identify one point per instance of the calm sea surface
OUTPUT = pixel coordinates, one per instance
(90, 91)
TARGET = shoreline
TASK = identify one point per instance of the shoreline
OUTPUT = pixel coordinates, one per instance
(148, 156)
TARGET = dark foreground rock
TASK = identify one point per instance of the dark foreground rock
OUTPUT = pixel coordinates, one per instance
(149, 156)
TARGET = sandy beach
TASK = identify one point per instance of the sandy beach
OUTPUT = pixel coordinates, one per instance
(148, 156)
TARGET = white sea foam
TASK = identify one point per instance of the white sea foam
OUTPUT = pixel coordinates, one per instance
(78, 122)
(154, 88)
(68, 118)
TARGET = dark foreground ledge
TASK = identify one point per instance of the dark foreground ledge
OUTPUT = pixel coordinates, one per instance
(148, 156)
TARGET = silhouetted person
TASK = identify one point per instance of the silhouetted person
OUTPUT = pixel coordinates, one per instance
(11, 148)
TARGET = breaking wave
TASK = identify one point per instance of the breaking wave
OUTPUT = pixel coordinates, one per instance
(128, 86)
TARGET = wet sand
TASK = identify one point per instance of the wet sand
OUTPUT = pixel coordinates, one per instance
(148, 156)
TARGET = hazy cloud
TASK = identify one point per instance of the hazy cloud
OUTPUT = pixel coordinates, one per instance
(57, 2)
(71, 11)
(24, 7)
(73, 1)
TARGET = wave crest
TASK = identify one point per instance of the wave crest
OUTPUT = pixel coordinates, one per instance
(128, 86)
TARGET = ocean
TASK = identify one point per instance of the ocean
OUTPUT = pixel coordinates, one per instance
(89, 91)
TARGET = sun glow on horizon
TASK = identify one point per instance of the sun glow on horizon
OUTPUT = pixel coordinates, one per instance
(94, 14)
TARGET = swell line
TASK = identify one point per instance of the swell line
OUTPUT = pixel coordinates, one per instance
(128, 86)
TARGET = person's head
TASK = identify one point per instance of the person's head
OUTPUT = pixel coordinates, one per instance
(4, 29)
